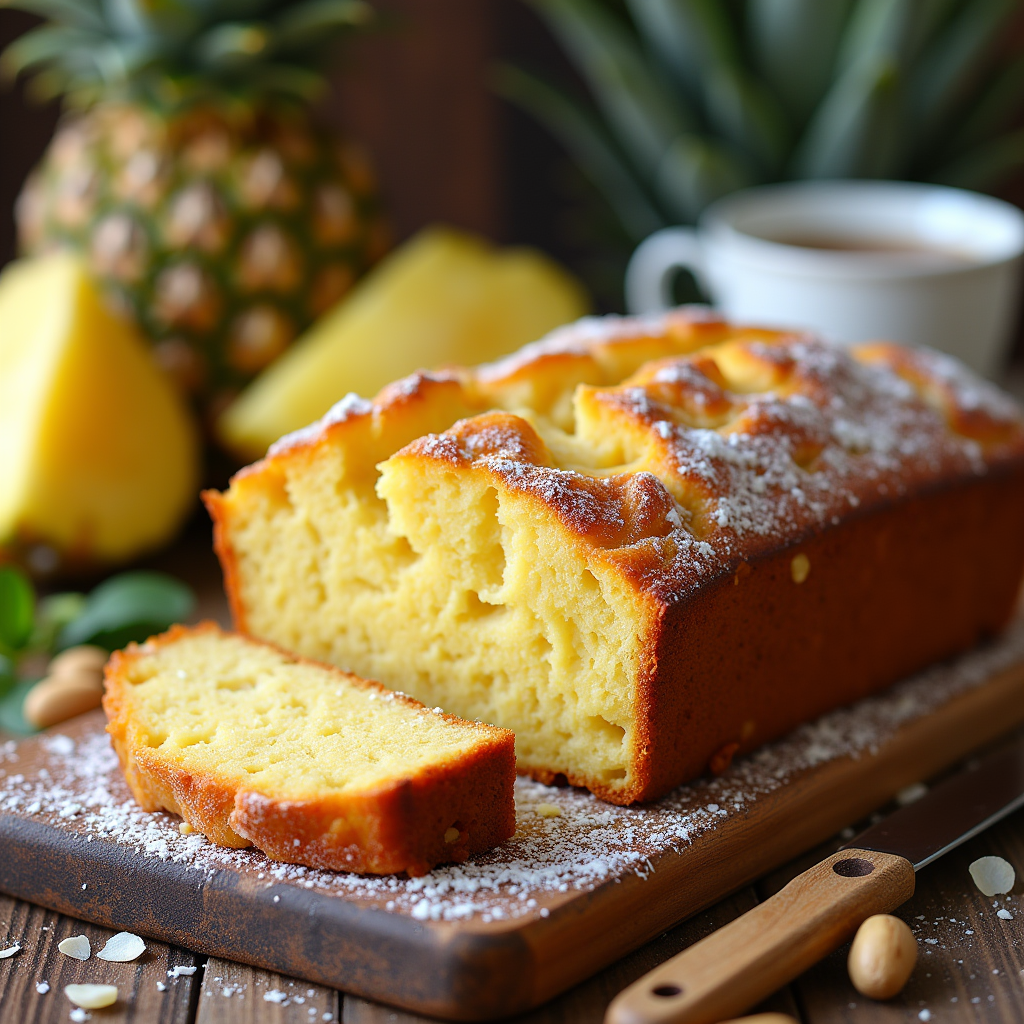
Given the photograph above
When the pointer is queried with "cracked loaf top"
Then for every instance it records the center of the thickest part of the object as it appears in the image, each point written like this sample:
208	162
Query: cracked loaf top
681	445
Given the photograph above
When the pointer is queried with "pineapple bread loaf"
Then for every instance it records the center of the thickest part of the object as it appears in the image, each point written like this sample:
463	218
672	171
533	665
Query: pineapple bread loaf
255	747
643	545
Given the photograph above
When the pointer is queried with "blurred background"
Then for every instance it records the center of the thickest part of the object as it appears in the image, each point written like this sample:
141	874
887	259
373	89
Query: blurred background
265	204
422	92
418	94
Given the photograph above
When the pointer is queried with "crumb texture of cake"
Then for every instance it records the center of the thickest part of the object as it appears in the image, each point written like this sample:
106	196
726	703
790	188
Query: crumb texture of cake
255	747
641	544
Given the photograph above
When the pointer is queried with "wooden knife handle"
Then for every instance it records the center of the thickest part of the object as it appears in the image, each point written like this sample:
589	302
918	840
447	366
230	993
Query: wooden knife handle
744	962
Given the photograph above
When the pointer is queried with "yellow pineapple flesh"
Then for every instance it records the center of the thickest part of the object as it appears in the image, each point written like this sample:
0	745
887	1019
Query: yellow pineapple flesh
443	298
98	455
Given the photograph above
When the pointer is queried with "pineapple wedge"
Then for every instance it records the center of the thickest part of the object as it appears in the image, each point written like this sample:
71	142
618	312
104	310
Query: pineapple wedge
444	297
98	456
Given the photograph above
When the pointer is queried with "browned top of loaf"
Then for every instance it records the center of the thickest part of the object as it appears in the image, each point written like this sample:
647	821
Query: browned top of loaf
705	444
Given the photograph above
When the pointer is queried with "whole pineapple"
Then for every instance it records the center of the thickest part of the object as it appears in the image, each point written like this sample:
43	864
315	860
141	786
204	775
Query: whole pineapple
691	99
189	171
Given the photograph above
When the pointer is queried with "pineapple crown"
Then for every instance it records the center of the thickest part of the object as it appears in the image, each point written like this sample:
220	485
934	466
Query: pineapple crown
174	52
691	99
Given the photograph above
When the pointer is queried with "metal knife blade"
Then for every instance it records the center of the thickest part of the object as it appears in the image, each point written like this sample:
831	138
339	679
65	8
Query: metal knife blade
952	812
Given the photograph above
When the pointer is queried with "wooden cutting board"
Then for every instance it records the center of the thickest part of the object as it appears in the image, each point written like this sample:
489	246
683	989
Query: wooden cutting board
581	884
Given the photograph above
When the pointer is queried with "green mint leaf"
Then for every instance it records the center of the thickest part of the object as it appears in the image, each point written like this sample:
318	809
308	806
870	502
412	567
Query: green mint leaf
53	614
17	608
8	674
130	606
11	717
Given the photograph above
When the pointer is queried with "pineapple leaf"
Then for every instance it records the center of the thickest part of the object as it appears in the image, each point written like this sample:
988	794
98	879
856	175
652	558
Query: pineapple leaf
708	26
769	90
120	62
638	106
876	28
76	75
128	18
111	64
929	19
852	133
83	14
747	116
289	80
856	130
702	51
794	43
687	35
307	22
586	143
696	171
232	43
176	51
51	84
998	101
946	67
987	166
42	45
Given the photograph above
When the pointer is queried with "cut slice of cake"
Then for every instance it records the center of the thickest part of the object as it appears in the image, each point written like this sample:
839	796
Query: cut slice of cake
255	747
643	545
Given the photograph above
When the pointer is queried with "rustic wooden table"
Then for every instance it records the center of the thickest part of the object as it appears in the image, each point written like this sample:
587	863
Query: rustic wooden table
970	969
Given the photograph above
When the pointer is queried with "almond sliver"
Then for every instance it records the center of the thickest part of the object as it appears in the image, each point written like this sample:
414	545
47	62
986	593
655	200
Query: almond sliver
91	997
122	947
993	875
77	946
5	953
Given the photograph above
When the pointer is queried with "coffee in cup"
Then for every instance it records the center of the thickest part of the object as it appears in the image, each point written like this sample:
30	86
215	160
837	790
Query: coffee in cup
852	261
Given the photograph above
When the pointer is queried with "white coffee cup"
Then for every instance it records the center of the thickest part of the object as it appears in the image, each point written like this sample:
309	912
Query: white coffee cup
852	261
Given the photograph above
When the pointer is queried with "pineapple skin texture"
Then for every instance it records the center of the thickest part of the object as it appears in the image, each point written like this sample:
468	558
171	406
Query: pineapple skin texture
224	232
444	298
98	454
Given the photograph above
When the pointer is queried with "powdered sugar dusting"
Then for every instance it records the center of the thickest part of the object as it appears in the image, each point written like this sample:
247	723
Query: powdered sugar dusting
551	856
800	436
354	406
350	406
970	392
783	462
579	338
756	438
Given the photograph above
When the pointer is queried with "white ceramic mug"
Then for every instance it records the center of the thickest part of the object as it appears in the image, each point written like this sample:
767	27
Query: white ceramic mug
853	261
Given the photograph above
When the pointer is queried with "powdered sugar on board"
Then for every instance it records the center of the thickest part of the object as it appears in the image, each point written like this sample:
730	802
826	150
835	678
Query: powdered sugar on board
587	842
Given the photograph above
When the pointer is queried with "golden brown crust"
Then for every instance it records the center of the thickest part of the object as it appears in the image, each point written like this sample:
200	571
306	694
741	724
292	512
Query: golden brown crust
755	654
701	459
397	826
214	502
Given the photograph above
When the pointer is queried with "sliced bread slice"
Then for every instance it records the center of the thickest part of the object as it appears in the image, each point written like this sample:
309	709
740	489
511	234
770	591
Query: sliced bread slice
312	765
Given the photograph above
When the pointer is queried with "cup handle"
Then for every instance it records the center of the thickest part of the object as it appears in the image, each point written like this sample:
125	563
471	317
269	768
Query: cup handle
649	272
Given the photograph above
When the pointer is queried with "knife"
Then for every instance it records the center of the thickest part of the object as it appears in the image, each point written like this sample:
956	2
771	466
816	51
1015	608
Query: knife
750	958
